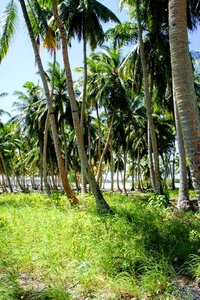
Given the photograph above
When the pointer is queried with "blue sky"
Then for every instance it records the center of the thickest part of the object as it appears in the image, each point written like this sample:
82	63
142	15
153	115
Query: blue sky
19	65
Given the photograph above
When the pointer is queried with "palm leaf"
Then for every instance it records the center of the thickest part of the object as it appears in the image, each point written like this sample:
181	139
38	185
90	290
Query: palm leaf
8	28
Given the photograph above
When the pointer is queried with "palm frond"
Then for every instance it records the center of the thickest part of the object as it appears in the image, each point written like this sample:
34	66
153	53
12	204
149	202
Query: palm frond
7	28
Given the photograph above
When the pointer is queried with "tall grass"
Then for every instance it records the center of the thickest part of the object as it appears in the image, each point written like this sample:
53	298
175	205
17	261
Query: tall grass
51	251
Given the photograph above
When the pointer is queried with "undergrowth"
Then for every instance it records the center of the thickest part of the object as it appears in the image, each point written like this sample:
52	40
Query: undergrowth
49	250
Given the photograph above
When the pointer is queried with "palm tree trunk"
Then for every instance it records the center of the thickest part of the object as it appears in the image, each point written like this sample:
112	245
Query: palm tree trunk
184	87
84	79
118	186
6	172
165	165
102	205
60	160
99	132
41	166
89	147
173	170
83	178
46	130
105	148
111	166
148	103
4	188
124	177
65	144
132	176
150	156
138	170
184	199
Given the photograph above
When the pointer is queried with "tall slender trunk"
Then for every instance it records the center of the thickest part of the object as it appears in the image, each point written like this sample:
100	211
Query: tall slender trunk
102	205
99	132
4	188
118	186
184	87
6	172
60	160
84	78
165	165
149	141
105	148
183	199
138	170
173	170
65	144
150	156
133	176
111	166
41	166
46	130
124	177
148	103
89	147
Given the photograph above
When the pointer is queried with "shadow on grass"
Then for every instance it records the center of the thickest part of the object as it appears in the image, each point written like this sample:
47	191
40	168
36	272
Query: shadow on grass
47	294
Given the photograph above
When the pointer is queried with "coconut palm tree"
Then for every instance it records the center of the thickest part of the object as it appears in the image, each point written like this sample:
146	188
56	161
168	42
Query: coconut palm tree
28	117
106	89
184	87
83	19
100	201
60	160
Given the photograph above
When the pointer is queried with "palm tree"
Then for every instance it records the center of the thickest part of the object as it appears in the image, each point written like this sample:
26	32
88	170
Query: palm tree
148	102
83	19
184	87
107	90
100	201
61	166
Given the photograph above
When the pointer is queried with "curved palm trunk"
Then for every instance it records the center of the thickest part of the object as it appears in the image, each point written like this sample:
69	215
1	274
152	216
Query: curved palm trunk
102	205
148	103
184	87
183	199
60	160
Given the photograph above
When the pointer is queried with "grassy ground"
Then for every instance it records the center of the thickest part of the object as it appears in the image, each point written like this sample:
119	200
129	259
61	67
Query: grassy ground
51	251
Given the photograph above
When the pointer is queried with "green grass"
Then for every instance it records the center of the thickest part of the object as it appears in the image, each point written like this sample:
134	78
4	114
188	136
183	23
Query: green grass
51	251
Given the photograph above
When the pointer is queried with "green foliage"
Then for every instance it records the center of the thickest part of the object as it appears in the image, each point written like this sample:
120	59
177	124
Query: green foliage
75	253
193	266
160	201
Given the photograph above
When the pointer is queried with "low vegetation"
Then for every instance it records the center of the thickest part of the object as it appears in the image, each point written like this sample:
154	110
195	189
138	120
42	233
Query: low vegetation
49	250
